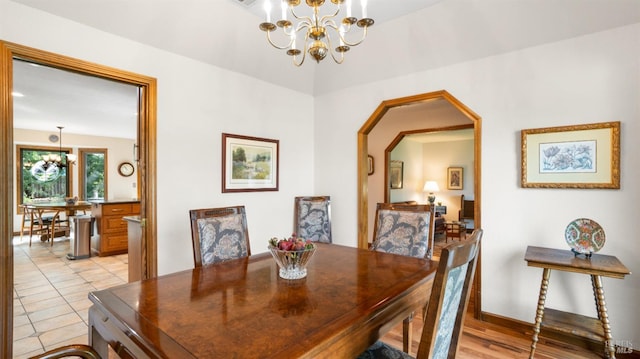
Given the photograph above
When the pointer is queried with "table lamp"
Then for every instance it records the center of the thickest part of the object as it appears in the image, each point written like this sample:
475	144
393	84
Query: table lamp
431	187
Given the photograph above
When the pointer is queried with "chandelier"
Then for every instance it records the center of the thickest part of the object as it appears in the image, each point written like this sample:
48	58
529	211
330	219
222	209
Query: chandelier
316	29
49	168
53	160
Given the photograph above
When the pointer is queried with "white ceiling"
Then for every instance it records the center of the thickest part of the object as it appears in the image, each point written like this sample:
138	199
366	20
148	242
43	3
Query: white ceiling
45	98
408	36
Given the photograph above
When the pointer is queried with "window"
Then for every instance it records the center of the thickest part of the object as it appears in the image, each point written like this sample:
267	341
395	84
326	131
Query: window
92	178
37	183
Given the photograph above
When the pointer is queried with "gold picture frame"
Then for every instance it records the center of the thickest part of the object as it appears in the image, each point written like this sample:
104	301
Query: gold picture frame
578	156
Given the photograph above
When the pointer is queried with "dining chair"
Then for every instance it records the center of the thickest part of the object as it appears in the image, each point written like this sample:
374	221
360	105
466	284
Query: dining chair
466	213
408	230
219	234
447	306
27	219
38	224
73	350
404	229
312	218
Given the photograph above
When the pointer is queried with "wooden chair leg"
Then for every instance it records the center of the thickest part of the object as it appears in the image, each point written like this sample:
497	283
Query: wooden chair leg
24	214
31	227
407	333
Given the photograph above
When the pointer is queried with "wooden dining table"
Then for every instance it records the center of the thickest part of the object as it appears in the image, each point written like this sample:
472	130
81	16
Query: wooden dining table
242	309
69	209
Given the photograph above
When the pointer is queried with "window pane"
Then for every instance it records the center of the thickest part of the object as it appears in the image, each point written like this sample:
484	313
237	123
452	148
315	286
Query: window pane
39	182
94	175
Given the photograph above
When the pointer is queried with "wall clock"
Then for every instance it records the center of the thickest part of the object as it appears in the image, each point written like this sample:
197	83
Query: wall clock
125	169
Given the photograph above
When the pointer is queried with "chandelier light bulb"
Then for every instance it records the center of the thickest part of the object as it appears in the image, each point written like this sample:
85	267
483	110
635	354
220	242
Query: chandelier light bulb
267	9
283	5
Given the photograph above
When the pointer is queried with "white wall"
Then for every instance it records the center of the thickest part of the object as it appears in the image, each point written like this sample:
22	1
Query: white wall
410	153
438	157
587	79
196	103
594	78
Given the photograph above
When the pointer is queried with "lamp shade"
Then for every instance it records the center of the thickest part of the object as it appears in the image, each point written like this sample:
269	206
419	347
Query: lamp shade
431	186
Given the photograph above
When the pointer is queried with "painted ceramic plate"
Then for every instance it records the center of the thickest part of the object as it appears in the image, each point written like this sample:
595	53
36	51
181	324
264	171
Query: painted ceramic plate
584	236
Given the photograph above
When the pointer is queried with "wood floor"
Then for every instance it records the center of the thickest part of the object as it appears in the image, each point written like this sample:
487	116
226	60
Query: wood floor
485	340
482	340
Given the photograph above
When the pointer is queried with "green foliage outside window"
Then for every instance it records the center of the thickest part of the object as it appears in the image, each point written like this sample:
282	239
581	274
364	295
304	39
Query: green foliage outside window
38	183
94	170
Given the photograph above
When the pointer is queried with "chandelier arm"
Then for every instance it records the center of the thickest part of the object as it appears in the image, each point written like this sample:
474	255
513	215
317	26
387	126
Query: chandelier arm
277	46
301	18
304	52
333	54
331	24
364	36
322	19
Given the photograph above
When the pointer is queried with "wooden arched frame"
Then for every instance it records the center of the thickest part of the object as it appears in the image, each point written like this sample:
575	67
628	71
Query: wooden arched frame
146	164
363	197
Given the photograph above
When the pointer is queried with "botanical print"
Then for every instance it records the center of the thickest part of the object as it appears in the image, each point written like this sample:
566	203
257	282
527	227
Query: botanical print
575	156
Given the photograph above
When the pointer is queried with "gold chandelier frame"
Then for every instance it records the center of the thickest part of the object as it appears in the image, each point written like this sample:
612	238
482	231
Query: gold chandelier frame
317	30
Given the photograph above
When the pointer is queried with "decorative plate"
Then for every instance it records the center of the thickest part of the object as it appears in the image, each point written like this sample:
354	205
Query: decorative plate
584	236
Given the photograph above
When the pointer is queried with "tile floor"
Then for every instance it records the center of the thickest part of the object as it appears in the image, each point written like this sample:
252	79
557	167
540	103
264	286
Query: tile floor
50	304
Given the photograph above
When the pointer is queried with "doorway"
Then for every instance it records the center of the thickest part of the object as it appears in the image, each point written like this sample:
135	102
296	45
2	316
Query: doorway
146	157
434	110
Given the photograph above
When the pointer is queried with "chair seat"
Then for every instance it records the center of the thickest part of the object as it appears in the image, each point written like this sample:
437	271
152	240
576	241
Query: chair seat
381	350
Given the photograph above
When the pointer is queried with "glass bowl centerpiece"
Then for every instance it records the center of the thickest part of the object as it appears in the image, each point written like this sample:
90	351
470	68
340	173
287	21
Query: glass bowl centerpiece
292	255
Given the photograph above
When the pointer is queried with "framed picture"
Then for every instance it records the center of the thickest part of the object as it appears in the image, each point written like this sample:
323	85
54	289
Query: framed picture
395	174
249	163
454	178
370	165
579	156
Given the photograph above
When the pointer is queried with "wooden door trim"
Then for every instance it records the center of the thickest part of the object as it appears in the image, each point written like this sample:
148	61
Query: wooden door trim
146	165
363	195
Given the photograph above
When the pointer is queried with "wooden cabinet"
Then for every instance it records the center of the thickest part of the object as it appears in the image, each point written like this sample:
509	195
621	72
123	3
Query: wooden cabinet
111	236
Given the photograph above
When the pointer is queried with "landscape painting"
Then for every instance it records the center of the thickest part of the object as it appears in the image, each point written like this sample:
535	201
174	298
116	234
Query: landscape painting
249	163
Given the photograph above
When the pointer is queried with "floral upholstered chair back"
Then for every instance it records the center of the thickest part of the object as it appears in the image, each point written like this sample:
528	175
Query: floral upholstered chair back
449	298
219	234
404	229
444	318
312	218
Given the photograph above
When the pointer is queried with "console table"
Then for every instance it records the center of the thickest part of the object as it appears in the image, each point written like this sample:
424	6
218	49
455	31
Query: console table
596	266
